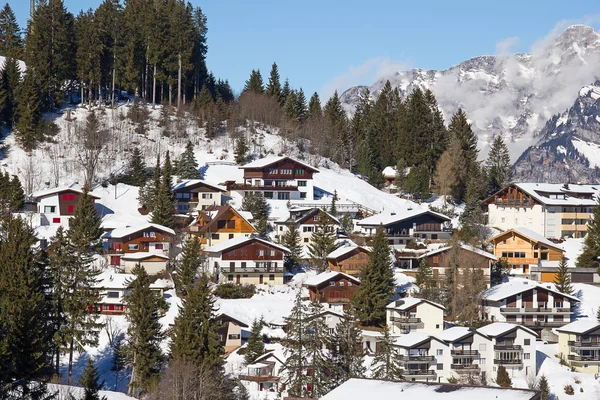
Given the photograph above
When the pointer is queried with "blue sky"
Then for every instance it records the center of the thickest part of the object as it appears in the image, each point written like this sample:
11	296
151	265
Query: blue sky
324	45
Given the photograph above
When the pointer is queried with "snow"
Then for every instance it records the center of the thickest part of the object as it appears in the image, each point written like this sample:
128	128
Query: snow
122	232
591	151
533	188
340	251
516	286
409	302
535	236
573	248
240	240
454	333
589	297
140	255
389	172
389	218
411	339
580	326
327	276
118	206
192	182
499	328
64	390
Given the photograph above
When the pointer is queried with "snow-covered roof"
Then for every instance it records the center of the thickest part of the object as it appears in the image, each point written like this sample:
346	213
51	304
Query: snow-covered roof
60	189
112	280
407	303
412	339
130	230
390	218
501	328
217	248
389	172
533	188
266	161
531	235
193	182
465	247
326	277
516	286
275	350
580	327
140	255
340	251
356	388
258	365
454	333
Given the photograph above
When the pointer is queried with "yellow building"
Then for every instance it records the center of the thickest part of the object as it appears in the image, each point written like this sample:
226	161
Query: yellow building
579	345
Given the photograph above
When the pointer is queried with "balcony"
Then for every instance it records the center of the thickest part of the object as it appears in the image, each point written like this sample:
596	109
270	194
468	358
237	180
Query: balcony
514	203
419	372
508	347
252	378
244	186
464	353
465	368
508	362
250	270
591	344
544	324
587	359
535	310
405	320
416	359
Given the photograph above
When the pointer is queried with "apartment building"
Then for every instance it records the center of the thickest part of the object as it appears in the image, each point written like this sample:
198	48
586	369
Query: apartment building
468	353
412	314
421	357
194	195
579	345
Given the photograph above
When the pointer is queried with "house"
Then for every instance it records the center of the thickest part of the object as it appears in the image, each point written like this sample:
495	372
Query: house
389	175
363	388
247	260
153	241
404	227
551	210
332	287
349	259
267	373
411	314
419	354
470	257
331	318
112	289
579	345
231	331
468	353
524	250
194	195
57	206
537	306
305	220
219	224
513	346
153	263
277	178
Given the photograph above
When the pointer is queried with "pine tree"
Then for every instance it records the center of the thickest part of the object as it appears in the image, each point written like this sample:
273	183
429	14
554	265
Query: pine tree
290	108
301	107
314	107
544	388
256	204
426	282
333	208
297	358
460	130
417	181
285	91
319	381
16	198
376	283
136	169
291	240
255	347
262	227
187	167
11	44
500	270
322	241
503	379
10	85
346	350
144	333
591	245
195	337
90	382
562	279
190	265
167	172
118	360
386	363
148	192
274	86
498	165
84	227
241	150
163	209
28	116
255	83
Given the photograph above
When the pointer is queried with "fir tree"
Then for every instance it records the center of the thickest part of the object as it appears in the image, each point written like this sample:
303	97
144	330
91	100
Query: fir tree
301	107
591	245
460	130
190	265
84	227
544	388
262	227
163	209
503	379
136	169
241	150
274	85
187	167
255	347
285	91
333	208
290	108
297	358
562	280
346	350
118	360
28	116
256	204
11	44
291	240
15	198
319	382
499	168
255	83
90	382
167	172
500	270
322	241
376	283
417	181
386	363
314	107
10	85
426	282
149	191
144	332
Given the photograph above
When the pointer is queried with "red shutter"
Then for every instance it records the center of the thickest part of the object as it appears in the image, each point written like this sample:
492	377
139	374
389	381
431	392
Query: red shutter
70	209
158	246
56	220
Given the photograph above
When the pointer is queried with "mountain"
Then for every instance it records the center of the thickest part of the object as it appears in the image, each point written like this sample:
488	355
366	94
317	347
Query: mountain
509	95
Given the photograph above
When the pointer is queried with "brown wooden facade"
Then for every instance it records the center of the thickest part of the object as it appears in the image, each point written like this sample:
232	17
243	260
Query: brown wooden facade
340	289
286	168
255	251
441	261
225	225
139	241
350	263
511	196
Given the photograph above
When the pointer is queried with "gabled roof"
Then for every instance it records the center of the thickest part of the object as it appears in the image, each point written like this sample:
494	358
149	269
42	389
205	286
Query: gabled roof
60	189
516	286
521	231
407	303
456	333
240	241
194	182
502	328
214	213
341	251
309	212
413	339
278	354
142	255
326	277
228	317
389	172
269	160
580	327
534	190
387	219
130	230
464	247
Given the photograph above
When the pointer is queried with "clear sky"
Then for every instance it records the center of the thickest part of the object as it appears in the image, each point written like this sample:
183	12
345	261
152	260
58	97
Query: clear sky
322	45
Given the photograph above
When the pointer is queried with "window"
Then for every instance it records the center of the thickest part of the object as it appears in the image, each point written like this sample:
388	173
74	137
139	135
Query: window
342	283
233	336
49	209
440	367
437	326
301	183
305	240
272	171
526	356
231	235
230	278
302	195
56	220
243	264
158	246
331	283
271	277
349	283
261	253
439	352
231	224
133	246
68	197
299	171
272	253
71	209
215	236
268	195
232	265
183	208
207	195
283	196
221	224
482	347
112	295
503	220
482	361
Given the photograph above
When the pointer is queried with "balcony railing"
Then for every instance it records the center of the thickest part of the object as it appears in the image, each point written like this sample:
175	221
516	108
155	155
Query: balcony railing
591	344
416	358
511	347
420	372
464	353
250	270
465	367
508	362
547	324
514	203
577	357
253	378
535	310
243	186
405	320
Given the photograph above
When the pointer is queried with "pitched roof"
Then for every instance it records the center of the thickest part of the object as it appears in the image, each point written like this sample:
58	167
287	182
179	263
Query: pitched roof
326	277
60	189
455	333
516	286
141	255
532	190
309	211
229	317
409	302
341	251
387	219
531	235
241	240
389	172
465	247
269	160
412	339
130	230
580	327
194	182
501	328
213	214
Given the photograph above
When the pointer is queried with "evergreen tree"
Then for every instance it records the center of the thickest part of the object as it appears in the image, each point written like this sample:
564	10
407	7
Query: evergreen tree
376	283
562	280
346	350
118	360
28	116
167	172
241	150
445	174
11	44
136	169
417	181
285	91
503	379
190	265
295	343
386	363
337	122
426	282
195	337
301	107
84	227
187	167
255	83
90	382
255	347
591	245
274	85
262	227
16	195
319	381
291	240
544	388
10	85
148	192
499	168
256	204
460	130
314	107
144	332
290	108
333	208
500	270
322	241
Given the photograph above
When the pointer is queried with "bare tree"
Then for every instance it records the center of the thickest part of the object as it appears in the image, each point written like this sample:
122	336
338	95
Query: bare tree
90	145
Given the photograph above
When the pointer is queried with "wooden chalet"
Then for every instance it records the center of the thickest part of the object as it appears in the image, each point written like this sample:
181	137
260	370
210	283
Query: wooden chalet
221	223
349	260
146	239
332	287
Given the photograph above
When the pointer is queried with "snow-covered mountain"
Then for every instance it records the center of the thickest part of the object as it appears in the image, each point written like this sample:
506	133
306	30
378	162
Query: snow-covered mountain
509	95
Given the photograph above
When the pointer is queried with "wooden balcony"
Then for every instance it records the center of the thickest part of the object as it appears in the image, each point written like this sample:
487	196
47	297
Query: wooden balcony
246	187
419	372
465	368
405	320
514	203
544	324
587	359
251	270
522	261
416	359
252	378
535	310
508	362
576	215
507	347
587	344
464	353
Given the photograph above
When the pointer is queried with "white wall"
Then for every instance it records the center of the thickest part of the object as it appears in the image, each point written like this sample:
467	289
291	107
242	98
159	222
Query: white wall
47	218
511	217
528	368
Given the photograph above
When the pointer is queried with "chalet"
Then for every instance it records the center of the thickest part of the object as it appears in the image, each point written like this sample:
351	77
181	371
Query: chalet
247	260
219	224
419	355
349	259
195	195
277	178
551	210
148	239
526	250
389	175
305	220
232	332
512	346
57	206
332	287
537	306
408	226
468	352
331	318
267	373
411	314
112	289
579	345
153	263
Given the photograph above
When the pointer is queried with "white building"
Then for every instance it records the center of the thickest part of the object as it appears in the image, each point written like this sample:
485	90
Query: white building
267	374
57	206
468	354
112	289
422	356
412	314
551	210
194	195
579	345
306	220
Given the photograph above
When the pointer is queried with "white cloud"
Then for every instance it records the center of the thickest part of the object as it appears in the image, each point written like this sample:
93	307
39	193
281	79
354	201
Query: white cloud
560	26
507	46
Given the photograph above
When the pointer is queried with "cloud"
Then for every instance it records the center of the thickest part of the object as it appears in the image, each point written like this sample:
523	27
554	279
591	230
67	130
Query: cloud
560	26
506	47
364	74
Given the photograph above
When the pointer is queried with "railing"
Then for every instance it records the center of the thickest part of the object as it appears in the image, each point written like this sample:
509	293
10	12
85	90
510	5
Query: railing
465	367
338	300
508	362
577	357
253	378
508	347
413	372
226	269
578	343
514	203
517	310
417	358
548	324
406	320
243	186
464	353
